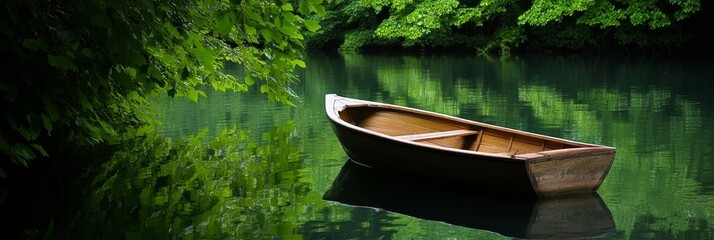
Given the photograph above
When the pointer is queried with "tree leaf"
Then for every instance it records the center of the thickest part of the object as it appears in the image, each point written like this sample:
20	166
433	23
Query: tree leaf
154	72
264	89
287	7
248	10
47	122
51	110
319	9
312	25
86	52
61	62
288	30
250	30
40	149
84	101
267	35
249	80
289	18
31	43
224	23
23	151
193	95
299	63
35	127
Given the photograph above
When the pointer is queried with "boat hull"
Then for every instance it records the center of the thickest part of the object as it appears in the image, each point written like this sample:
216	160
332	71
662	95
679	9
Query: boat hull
508	176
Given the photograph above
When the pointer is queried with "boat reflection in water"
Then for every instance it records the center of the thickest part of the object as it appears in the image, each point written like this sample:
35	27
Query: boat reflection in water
564	217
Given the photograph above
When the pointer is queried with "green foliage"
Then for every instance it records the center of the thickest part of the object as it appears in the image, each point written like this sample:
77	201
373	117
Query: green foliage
489	25
602	13
504	39
358	39
545	11
425	17
80	71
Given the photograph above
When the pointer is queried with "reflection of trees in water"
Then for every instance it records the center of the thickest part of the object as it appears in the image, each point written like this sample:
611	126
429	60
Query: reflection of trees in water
357	223
226	187
641	107
706	174
648	226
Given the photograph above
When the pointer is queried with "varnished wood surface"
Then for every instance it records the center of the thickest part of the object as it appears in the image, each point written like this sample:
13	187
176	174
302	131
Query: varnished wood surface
436	135
461	149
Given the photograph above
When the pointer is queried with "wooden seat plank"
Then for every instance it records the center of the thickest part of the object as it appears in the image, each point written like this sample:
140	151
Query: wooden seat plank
435	135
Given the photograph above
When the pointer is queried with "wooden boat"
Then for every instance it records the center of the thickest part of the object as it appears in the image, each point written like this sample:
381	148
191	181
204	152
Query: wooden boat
445	148
574	216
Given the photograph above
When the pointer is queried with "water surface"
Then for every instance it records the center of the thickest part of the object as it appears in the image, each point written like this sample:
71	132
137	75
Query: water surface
265	169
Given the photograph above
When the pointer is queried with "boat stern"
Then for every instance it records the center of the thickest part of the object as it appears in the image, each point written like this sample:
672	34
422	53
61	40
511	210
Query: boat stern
569	171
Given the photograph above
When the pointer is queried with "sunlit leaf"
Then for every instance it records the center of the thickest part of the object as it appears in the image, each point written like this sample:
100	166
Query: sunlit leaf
193	95
287	7
312	25
299	63
250	30
319	9
249	80
144	130
289	30
289	18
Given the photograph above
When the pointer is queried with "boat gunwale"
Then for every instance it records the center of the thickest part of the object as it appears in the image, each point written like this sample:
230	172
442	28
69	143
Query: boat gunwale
333	109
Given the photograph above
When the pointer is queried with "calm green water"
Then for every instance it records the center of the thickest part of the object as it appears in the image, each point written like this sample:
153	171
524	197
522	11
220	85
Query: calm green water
235	166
